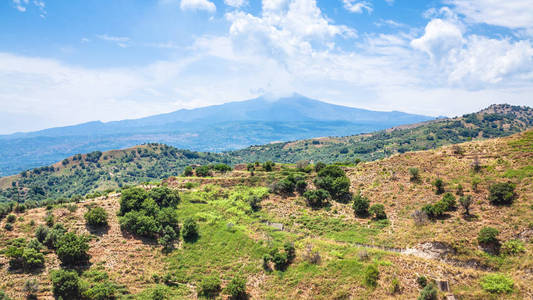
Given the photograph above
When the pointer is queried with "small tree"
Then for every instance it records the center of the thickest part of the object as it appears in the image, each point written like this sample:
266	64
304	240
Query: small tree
378	211
465	202
371	275
209	287
429	292
255	202
72	249
316	198
187	172
360	205
502	193
459	191
439	186
190	230
488	236
96	216
66	284
236	288
301	186
415	175
268	166
203	171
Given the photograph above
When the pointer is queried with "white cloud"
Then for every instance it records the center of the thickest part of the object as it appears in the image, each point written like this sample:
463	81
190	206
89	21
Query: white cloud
357	6
21	5
507	13
198	5
236	3
120	41
440	37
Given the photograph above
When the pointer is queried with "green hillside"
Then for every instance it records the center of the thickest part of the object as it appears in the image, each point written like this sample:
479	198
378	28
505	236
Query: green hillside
96	171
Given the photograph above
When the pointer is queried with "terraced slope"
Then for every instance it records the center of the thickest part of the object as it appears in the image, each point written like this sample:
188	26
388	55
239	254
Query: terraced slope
334	248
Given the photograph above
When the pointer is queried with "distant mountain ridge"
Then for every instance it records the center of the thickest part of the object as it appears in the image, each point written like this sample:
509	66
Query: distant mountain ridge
216	128
81	174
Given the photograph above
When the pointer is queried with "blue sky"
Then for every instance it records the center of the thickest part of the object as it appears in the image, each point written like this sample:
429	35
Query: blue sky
67	62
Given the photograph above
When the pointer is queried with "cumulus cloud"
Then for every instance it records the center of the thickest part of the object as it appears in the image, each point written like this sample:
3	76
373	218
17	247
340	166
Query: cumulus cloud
198	5
357	6
440	37
509	13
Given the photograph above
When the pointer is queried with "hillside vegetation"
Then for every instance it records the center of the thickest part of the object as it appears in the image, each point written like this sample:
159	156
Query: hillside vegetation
393	228
97	171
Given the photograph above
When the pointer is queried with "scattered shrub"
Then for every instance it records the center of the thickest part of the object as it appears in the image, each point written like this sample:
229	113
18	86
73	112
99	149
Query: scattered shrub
415	175
497	283
488	236
31	287
187	172
236	288
395	286
316	198
301	186
502	193
190	230
513	247
378	211
11	218
439	186
429	292
371	275
422	281
255	202
268	166
8	226
420	217
209	287
360	205
96	216
203	171
72	249
459	191
319	166
449	200
465	202
283	187
66	284
334	180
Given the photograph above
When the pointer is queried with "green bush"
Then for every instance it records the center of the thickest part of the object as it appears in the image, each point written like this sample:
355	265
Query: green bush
429	292
422	281
449	200
513	247
22	256
465	202
66	284
255	202
283	187
236	288
8	226
96	216
267	166
497	283
371	275
319	166
222	168
32	259
165	197
439	186
301	186
209	287
53	236
502	193
72	249
334	180
316	198
190	230
360	205
378	211
187	172
415	175
132	199
488	236
137	222
3	296
11	218
203	171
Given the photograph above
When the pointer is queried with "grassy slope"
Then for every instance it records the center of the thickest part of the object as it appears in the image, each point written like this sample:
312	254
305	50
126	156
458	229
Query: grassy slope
233	239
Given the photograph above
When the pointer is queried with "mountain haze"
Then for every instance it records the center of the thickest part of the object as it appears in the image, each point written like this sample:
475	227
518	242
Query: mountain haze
229	126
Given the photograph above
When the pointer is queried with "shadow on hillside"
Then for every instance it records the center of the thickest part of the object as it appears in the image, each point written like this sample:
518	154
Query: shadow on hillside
97	230
144	240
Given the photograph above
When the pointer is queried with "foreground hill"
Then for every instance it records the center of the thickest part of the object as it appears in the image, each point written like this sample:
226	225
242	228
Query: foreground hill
223	127
81	174
255	233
